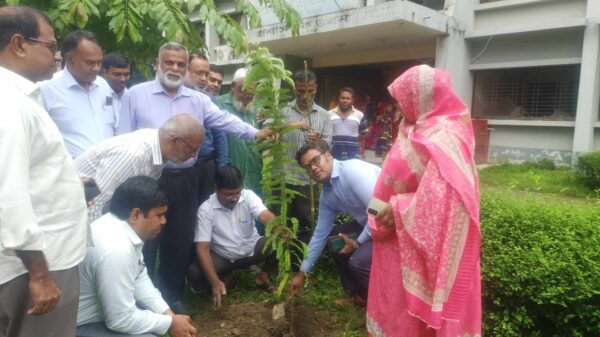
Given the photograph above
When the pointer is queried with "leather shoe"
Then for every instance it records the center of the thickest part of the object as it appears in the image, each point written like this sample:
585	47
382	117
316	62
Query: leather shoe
182	308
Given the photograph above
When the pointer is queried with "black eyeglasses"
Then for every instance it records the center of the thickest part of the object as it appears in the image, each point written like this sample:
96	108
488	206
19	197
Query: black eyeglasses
52	46
315	161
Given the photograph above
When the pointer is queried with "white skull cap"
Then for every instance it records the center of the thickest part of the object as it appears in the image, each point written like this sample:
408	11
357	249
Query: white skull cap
239	75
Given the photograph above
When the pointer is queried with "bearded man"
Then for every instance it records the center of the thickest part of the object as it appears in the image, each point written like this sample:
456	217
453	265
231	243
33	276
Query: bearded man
149	105
241	152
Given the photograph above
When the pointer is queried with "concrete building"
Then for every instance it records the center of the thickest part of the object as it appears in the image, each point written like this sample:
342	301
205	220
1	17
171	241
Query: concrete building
528	69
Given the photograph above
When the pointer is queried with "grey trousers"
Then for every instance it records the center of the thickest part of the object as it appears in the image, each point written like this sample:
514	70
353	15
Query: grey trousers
99	329
15	301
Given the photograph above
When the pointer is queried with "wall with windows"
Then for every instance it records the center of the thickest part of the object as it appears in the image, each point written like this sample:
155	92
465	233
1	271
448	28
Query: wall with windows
530	93
532	64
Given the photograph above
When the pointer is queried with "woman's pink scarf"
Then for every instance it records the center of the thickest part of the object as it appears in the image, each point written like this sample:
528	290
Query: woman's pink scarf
430	180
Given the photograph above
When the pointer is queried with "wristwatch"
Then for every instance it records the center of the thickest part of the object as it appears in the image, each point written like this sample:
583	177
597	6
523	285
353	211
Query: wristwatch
355	244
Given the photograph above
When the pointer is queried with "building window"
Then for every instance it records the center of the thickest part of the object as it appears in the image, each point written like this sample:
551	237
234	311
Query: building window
548	93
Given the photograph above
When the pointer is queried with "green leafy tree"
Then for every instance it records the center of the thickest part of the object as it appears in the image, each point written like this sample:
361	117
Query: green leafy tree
264	79
137	27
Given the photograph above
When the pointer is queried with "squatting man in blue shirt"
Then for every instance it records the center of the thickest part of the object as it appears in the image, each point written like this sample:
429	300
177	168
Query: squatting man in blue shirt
117	297
347	189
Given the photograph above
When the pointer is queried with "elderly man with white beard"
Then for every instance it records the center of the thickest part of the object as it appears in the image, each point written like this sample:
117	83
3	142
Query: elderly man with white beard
149	105
241	152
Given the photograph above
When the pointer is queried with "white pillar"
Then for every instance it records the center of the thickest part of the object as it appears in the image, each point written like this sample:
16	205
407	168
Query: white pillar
452	51
589	83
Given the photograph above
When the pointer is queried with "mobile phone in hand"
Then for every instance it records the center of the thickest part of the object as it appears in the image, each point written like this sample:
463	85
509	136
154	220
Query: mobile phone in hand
375	206
336	243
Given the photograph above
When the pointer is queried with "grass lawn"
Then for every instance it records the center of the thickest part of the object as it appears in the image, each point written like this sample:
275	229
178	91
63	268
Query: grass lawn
531	177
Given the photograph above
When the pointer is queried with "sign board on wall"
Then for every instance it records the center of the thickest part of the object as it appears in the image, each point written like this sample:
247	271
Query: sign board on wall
308	8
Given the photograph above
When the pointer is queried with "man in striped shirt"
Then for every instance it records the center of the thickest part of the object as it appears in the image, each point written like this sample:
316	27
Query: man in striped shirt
143	152
315	125
348	124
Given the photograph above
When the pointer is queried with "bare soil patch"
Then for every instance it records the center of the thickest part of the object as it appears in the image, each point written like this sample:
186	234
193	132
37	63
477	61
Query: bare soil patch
254	320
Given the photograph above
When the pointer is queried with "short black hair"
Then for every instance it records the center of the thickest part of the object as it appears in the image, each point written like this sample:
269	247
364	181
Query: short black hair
216	69
20	20
299	76
348	90
319	145
73	39
137	192
114	60
228	177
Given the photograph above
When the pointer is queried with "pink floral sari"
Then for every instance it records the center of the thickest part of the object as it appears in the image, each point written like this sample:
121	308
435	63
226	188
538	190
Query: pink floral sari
425	278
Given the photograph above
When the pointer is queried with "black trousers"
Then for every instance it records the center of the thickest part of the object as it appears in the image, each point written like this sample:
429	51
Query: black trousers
354	269
174	244
223	266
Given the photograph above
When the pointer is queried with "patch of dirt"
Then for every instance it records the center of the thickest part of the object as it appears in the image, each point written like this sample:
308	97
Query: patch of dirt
254	320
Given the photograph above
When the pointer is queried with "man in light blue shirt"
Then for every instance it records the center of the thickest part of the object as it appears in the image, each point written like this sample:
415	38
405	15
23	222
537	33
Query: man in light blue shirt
116	295
78	101
347	189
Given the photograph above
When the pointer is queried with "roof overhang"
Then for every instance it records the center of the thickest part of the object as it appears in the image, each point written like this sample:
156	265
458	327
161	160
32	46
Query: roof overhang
371	29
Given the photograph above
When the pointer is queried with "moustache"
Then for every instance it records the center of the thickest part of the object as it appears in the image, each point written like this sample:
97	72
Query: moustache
172	73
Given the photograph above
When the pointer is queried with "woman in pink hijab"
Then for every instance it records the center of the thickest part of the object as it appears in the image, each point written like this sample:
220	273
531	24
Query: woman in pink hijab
425	278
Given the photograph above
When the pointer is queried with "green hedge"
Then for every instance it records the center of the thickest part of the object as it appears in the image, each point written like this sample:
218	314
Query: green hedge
587	170
540	266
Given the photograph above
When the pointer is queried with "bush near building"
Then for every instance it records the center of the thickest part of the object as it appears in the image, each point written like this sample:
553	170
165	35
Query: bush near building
587	170
540	269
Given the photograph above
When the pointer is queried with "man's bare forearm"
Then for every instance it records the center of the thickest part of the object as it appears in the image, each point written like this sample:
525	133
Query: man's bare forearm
35	262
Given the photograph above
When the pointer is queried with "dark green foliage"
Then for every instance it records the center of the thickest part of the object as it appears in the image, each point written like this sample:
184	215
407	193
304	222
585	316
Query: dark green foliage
587	170
544	164
137	28
540	269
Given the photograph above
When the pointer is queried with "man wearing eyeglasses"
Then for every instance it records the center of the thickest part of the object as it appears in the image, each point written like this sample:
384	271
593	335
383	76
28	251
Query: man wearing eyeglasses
347	189
42	209
79	101
143	152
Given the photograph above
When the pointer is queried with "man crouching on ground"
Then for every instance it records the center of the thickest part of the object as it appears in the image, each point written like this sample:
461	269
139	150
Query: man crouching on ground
117	297
226	238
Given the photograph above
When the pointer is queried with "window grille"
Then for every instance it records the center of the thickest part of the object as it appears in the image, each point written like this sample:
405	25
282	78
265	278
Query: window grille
548	93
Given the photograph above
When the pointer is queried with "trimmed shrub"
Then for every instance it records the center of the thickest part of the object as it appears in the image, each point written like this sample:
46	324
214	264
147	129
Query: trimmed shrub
540	267
543	164
587	170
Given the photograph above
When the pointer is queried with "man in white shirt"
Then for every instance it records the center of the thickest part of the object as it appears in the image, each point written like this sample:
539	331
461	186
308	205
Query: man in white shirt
79	101
143	152
117	298
42	208
226	238
116	70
